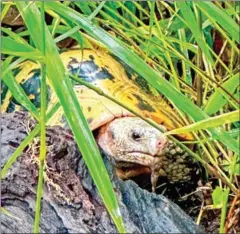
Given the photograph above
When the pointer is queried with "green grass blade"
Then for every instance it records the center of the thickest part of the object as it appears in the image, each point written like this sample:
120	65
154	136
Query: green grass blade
39	197
16	37
19	150
208	123
214	13
63	88
185	67
227	191
67	34
132	8
144	70
4	10
42	121
152	14
234	132
217	100
192	24
57	20
12	47
84	7
96	11
17	91
12	66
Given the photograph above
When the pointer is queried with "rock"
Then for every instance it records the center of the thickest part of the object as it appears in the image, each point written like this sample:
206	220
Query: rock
71	203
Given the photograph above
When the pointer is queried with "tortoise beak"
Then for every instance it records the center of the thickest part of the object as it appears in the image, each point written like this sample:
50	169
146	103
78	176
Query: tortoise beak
162	144
158	146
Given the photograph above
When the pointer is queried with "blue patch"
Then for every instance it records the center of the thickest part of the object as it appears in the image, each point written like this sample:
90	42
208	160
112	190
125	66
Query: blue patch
89	71
31	86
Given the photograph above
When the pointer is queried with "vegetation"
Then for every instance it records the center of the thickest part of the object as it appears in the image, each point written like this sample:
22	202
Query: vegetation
188	51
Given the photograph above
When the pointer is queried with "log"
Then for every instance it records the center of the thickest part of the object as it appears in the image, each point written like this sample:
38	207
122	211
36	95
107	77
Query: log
70	202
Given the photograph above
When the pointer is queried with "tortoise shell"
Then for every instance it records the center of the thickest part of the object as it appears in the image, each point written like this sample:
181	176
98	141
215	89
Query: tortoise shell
113	77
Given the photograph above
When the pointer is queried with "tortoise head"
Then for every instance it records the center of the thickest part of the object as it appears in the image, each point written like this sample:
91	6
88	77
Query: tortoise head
132	140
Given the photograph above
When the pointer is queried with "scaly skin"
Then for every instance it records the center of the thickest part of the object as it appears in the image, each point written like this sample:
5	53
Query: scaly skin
130	140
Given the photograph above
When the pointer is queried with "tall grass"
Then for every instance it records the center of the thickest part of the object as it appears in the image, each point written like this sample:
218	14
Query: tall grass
42	121
195	45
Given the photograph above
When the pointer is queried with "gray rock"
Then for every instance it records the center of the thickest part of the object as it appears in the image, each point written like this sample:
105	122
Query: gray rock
71	203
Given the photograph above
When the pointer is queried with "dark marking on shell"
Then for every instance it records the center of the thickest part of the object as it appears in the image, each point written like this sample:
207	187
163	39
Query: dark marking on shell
12	106
91	57
37	70
31	86
90	120
143	105
129	97
89	109
73	60
143	84
139	80
89	71
16	71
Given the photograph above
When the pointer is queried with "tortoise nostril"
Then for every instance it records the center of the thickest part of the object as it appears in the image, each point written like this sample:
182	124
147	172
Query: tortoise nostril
162	143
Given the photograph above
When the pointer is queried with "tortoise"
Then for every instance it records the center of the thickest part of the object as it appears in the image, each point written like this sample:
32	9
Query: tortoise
129	141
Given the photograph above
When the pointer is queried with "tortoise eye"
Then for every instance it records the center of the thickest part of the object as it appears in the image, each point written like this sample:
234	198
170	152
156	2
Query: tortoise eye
136	136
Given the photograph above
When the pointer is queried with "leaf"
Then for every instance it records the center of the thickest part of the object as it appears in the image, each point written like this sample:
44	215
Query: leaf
84	6
96	11
61	83
216	14
218	196
191	22
16	37
208	123
17	91
138	65
237	169
234	132
227	166
218	99
12	47
4	10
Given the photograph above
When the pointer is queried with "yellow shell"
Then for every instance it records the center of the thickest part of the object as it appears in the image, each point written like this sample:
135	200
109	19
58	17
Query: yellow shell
101	69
